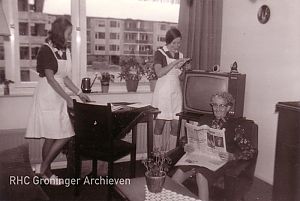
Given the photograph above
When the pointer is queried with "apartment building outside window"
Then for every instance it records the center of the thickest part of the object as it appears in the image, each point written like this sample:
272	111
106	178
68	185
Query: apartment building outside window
34	52
114	24
38	29
114	36
100	47
114	47
22	5
161	38
23	28
163	27
2	70
100	35
101	24
24	53
2	52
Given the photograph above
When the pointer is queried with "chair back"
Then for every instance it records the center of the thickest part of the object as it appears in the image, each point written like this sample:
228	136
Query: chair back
92	124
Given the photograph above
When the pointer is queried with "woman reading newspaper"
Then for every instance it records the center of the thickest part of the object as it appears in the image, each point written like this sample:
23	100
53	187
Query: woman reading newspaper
238	147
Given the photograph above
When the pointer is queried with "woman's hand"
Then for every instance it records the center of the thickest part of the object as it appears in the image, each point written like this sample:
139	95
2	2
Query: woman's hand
84	98
181	62
188	148
225	156
70	103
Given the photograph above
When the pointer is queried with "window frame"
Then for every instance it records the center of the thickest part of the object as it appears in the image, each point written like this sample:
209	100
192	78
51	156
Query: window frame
12	60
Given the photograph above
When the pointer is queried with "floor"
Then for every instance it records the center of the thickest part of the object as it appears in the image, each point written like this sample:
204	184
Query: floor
259	191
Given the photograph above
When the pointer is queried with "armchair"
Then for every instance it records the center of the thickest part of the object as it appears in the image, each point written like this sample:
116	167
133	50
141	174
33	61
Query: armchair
236	177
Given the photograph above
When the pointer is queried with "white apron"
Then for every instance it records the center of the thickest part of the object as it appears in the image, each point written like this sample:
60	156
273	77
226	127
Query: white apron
49	117
167	95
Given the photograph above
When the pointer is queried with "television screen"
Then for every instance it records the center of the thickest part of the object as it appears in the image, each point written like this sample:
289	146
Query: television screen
199	88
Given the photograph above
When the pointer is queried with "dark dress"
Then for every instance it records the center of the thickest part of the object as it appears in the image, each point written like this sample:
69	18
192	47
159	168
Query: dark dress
237	144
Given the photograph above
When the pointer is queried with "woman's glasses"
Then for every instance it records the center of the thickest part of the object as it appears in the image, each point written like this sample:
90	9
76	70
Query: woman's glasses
220	107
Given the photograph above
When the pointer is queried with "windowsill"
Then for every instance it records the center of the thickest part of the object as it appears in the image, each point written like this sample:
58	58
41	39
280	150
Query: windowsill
115	89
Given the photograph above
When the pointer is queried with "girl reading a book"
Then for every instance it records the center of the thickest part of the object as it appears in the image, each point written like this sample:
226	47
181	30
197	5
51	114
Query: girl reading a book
238	146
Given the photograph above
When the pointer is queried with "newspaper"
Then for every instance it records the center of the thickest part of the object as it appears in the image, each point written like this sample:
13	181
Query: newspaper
207	143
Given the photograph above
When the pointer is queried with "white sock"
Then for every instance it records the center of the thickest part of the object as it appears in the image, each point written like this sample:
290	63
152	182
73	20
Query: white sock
172	142
157	142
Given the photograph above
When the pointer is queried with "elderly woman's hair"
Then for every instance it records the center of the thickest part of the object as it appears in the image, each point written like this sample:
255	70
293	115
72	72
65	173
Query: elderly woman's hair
226	96
57	33
172	34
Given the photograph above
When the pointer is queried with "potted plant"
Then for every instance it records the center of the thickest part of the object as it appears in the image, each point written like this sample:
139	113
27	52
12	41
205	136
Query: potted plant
6	83
105	79
131	71
157	166
151	75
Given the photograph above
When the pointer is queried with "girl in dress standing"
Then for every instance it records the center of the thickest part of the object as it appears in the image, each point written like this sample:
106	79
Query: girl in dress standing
167	95
49	118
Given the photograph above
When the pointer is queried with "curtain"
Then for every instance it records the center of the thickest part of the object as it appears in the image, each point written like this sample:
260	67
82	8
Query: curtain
200	23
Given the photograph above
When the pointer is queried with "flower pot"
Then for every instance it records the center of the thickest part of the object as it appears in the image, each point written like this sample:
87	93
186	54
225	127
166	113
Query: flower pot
155	183
104	87
132	85
152	85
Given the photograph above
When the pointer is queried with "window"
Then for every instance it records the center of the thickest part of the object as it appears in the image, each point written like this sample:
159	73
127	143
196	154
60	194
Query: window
88	36
100	35
163	27
38	30
114	36
34	52
114	47
25	75
130	36
22	5
24	53
114	24
101	24
161	39
100	47
2	67
23	28
1	52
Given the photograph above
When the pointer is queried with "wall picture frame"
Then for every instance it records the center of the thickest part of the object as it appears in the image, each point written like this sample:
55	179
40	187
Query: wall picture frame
263	14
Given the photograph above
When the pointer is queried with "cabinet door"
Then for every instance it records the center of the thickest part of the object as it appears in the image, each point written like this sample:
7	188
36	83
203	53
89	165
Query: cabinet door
287	173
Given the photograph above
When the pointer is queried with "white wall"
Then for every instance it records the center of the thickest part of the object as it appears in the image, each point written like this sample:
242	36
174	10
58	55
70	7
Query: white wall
270	56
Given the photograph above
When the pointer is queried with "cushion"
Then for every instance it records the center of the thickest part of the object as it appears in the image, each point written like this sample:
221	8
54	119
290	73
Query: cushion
16	176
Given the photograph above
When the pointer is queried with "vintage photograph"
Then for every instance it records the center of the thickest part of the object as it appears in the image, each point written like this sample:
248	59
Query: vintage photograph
149	100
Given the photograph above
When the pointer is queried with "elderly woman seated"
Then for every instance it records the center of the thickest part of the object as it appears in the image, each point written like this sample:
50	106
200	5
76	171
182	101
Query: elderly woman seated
238	147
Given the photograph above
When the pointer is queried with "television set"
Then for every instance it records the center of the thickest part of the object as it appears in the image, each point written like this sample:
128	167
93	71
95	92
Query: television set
199	86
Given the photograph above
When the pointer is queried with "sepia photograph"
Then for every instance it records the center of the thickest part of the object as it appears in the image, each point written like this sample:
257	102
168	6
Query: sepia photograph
97	97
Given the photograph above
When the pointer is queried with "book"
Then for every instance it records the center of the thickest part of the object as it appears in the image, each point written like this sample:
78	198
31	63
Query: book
207	143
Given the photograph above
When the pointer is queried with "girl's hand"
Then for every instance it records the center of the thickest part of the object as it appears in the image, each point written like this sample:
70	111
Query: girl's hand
84	98
177	63
70	103
181	62
188	148
225	156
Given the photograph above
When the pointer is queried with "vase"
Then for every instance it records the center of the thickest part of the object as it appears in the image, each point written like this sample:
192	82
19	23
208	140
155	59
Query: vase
152	85
104	87
132	85
155	183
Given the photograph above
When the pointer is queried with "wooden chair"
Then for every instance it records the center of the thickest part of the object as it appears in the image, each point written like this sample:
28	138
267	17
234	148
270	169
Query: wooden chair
95	139
236	177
